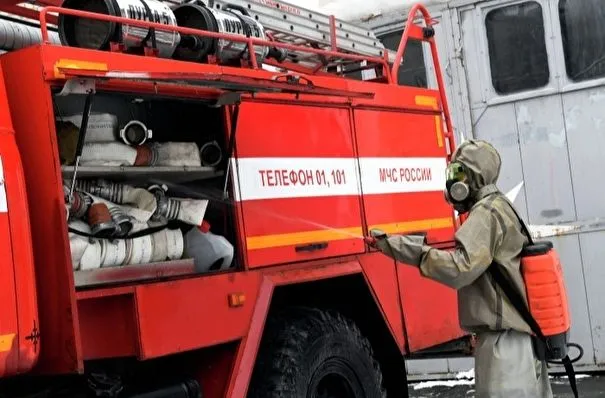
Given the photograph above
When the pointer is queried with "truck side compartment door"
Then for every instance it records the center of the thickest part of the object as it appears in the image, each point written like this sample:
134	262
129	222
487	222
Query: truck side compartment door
402	158
19	333
298	187
9	352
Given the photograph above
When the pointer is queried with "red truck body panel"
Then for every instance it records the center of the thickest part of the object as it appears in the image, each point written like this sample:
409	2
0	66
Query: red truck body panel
19	325
60	349
402	155
312	175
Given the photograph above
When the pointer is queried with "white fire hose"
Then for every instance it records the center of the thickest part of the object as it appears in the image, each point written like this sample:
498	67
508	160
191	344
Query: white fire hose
90	254
108	154
102	127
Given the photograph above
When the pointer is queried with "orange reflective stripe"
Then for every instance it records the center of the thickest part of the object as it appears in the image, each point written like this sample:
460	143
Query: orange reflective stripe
6	342
415	226
438	127
297	238
431	102
77	64
425	100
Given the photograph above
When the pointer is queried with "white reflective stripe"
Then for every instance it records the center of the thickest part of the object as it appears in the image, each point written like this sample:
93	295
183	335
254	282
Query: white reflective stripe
402	175
3	202
277	178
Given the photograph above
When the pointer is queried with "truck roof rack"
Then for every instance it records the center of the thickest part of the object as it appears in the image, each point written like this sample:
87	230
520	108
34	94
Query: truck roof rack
285	23
316	43
292	24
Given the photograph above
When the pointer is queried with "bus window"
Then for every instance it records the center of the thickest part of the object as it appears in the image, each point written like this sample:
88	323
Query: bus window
412	71
517	48
583	35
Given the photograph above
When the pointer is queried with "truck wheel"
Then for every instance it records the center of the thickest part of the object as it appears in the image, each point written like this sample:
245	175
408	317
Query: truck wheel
311	353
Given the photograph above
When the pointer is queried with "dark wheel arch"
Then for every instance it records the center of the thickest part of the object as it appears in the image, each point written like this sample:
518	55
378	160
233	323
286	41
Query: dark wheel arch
315	353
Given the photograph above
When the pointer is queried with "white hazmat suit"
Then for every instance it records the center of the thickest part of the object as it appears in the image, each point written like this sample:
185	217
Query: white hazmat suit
505	362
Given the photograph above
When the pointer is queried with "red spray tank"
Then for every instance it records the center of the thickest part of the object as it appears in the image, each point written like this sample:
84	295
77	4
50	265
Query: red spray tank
546	295
547	308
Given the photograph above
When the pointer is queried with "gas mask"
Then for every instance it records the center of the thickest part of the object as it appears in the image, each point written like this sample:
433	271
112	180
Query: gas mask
457	190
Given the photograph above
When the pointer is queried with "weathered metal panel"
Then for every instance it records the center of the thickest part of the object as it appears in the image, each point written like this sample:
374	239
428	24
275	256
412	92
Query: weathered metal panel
441	32
457	365
544	159
497	125
442	40
568	248
593	252
457	68
439	368
471	53
585	124
457	99
426	366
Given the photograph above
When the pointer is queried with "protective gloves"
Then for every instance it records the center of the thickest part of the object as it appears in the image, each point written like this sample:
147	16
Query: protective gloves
407	249
375	235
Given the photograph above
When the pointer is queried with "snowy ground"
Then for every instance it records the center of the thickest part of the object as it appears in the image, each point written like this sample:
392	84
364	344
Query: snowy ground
463	387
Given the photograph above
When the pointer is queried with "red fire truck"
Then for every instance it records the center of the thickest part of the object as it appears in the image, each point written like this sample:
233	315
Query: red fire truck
250	275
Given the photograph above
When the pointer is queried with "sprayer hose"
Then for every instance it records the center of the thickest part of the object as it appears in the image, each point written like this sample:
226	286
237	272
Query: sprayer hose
574	360
138	234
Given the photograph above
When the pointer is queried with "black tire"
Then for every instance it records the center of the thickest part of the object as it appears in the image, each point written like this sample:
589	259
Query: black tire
311	353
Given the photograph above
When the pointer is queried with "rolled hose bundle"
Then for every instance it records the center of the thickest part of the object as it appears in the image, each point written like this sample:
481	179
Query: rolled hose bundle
108	154
122	194
189	211
149	204
176	154
90	254
168	154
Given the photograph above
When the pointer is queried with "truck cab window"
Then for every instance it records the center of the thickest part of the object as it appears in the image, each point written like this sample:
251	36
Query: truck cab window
412	71
583	38
517	48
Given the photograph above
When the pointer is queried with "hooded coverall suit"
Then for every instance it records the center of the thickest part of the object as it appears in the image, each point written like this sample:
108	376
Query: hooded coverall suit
505	362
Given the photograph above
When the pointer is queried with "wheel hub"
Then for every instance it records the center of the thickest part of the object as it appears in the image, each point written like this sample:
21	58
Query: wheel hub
334	379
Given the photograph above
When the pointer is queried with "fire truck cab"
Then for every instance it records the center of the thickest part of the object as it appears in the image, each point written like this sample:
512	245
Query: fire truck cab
176	224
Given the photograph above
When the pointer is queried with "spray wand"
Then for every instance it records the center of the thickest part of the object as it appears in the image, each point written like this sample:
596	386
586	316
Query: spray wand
222	198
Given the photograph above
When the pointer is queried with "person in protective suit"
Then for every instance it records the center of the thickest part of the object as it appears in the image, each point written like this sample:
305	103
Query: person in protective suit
506	365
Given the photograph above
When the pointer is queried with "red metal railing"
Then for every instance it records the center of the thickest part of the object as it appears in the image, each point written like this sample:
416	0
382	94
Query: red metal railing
416	32
250	41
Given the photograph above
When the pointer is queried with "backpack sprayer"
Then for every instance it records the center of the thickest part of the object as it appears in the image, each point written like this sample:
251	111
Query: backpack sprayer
548	312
